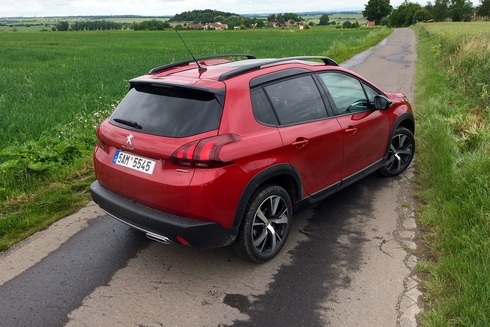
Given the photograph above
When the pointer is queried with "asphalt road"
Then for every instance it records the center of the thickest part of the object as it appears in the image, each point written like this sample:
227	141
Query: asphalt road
345	263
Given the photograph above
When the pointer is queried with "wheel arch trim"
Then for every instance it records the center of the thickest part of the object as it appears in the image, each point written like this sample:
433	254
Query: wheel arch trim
260	179
400	121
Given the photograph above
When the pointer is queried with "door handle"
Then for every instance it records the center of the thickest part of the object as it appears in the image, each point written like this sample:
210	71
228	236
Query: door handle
350	130
300	142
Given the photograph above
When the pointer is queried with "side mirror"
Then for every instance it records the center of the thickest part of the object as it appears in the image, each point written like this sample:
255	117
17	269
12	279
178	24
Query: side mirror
381	102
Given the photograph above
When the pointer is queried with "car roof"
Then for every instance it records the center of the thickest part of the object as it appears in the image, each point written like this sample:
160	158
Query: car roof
210	72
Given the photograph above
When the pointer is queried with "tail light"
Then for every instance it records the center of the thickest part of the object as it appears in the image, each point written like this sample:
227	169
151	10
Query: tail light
98	132
203	153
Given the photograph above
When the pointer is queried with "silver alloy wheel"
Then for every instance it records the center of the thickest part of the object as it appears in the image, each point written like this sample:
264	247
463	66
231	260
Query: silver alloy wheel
270	224
400	153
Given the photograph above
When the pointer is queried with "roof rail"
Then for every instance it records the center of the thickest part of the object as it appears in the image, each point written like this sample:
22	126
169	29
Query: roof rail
257	65
188	61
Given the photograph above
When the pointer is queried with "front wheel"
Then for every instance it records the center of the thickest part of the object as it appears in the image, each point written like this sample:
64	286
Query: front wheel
265	225
400	153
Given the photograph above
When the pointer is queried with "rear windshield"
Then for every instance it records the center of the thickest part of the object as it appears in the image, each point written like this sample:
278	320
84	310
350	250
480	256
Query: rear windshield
167	111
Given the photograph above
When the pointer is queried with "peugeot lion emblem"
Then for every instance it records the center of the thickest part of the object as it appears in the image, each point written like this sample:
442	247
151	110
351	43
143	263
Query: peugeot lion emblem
129	139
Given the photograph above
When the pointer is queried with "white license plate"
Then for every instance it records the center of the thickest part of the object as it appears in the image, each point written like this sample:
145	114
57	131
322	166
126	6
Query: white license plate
134	162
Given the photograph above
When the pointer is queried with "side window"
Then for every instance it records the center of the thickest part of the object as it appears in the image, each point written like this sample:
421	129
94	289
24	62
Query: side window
262	108
347	92
296	100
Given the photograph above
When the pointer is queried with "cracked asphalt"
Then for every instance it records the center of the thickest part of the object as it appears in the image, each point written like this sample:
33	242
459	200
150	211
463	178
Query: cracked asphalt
349	260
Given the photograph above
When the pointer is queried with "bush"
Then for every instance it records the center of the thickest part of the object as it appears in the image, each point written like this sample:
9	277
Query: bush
62	26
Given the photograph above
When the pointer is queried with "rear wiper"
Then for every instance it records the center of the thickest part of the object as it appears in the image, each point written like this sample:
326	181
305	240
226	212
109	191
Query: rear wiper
128	123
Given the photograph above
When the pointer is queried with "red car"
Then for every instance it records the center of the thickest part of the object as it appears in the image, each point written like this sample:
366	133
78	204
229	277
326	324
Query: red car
220	150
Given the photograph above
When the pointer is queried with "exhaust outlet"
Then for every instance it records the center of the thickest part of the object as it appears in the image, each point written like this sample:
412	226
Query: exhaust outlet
158	238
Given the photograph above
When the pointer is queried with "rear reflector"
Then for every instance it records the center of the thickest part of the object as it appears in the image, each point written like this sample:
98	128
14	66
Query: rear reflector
182	241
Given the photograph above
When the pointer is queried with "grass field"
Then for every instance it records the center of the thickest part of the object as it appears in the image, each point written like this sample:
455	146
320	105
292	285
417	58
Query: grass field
57	86
453	164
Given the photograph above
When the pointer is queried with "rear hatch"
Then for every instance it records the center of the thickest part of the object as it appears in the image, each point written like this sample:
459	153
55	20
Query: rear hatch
133	157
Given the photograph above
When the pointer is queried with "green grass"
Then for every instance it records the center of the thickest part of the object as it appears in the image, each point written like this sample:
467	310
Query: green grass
25	213
57	86
453	164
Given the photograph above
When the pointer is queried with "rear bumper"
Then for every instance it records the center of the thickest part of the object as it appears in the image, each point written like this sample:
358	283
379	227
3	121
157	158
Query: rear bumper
199	234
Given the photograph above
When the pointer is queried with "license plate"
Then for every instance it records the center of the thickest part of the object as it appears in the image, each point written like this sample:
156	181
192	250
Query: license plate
129	160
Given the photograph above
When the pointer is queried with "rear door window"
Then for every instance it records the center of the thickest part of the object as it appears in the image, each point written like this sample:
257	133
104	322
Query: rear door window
166	111
288	102
296	100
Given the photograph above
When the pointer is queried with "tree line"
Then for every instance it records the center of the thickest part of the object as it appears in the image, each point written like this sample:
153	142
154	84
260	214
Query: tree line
285	17
202	16
103	25
409	13
212	16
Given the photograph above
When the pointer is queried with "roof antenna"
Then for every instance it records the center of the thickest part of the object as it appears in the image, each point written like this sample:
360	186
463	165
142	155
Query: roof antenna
201	69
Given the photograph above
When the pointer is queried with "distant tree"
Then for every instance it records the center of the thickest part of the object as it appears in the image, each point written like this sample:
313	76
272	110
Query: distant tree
376	10
404	15
461	10
324	19
346	24
349	24
151	25
292	17
200	16
253	23
440	10
429	7
62	26
207	18
260	23
91	25
278	18
234	20
484	9
423	15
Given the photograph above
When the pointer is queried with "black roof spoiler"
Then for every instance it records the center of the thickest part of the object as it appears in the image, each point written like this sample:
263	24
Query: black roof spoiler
188	61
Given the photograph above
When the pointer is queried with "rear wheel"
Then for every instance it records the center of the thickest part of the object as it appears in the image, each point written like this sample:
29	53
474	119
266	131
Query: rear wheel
265	225
400	153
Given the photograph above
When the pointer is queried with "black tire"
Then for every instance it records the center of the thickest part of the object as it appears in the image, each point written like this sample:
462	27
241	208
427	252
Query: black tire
400	153
265	224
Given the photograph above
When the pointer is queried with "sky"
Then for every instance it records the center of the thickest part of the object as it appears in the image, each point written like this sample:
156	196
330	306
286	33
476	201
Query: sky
43	8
